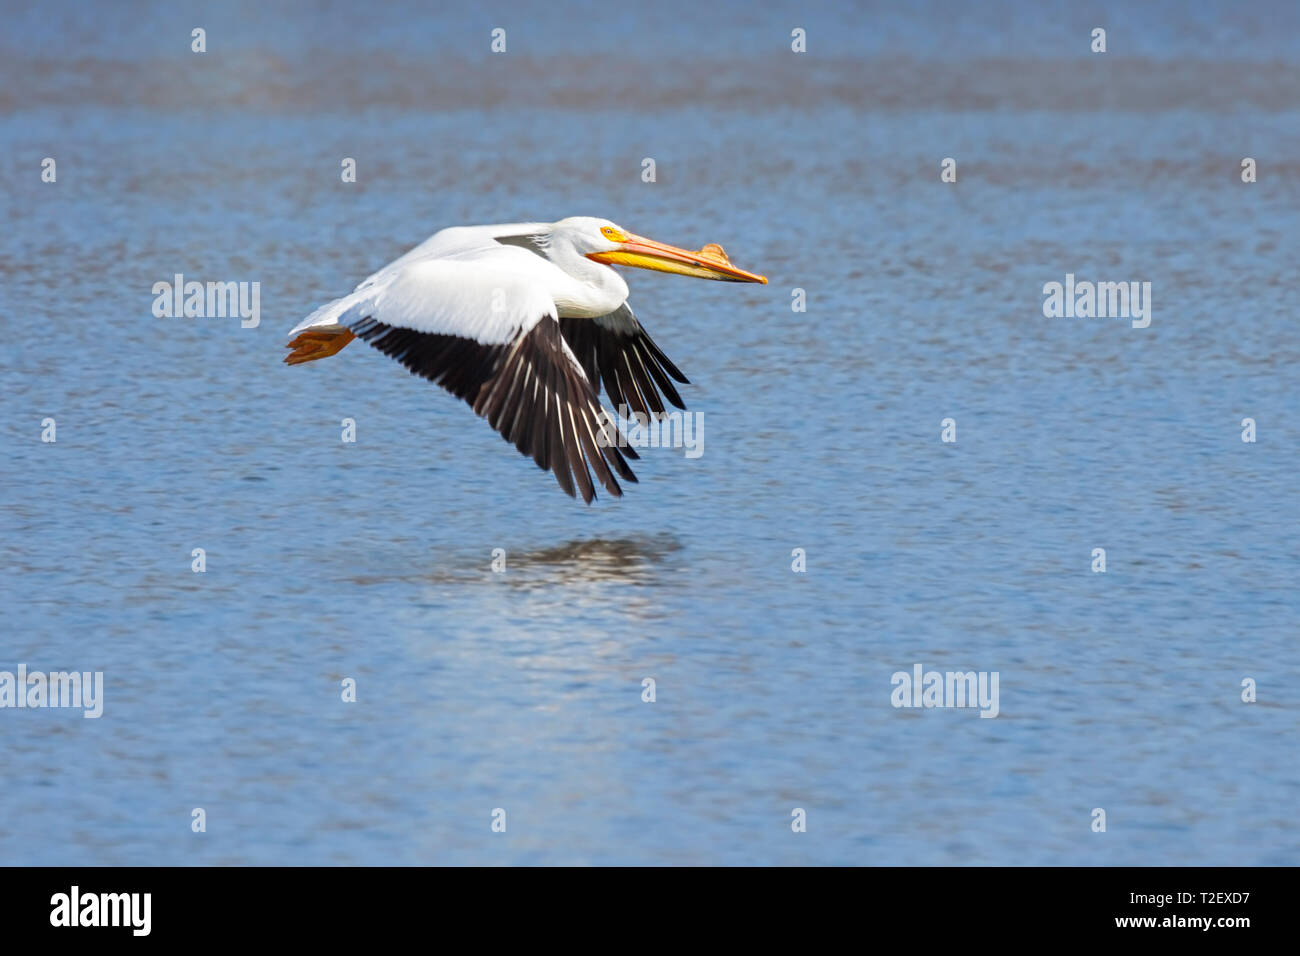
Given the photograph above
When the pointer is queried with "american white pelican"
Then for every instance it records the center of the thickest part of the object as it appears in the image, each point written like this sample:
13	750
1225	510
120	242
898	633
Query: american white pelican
522	321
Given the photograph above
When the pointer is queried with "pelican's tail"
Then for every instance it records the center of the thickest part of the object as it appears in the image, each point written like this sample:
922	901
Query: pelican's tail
318	343
326	330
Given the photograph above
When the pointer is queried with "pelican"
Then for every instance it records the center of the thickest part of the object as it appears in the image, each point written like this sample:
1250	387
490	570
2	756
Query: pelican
523	321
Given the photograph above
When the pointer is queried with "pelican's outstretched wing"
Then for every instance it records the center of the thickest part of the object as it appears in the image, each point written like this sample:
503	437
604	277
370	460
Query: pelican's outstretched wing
484	329
616	348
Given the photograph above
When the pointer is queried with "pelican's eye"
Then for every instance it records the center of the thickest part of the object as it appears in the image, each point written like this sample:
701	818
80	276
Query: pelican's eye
612	234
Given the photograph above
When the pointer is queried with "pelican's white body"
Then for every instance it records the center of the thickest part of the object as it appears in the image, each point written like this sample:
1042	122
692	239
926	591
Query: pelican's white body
462	281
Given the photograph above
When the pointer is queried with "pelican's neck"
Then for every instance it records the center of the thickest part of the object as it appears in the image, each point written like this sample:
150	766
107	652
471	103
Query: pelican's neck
596	289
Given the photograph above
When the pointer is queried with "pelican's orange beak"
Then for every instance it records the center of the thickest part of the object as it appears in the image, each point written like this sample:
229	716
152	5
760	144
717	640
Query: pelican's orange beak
708	263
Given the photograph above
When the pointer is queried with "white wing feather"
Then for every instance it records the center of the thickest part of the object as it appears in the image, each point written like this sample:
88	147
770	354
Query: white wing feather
460	281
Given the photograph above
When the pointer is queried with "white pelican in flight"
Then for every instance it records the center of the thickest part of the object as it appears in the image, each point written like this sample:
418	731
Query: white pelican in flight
523	321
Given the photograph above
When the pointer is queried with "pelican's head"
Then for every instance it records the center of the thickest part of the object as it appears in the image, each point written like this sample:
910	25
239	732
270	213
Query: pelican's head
604	241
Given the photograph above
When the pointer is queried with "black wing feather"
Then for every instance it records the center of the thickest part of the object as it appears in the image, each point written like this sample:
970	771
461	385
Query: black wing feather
529	390
616	348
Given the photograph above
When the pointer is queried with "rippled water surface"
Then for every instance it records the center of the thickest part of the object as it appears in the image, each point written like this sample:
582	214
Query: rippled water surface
523	690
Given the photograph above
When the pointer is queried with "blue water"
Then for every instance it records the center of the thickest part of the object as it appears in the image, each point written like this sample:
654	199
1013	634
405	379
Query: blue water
522	690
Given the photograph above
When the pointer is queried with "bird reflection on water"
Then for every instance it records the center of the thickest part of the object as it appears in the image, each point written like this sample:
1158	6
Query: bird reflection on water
629	561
